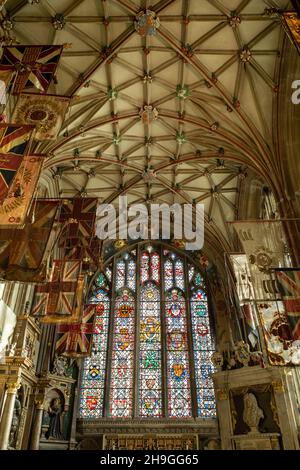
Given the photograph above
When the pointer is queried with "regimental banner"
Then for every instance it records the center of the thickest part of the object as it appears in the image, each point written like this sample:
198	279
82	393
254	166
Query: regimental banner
264	245
281	349
46	112
9	165
246	296
24	252
289	285
292	25
15	207
75	340
88	251
14	139
4	82
60	300
31	66
250	324
80	214
242	277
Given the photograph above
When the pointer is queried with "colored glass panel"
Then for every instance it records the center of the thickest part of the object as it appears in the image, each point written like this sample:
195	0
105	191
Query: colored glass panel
120	274
179	274
145	265
94	367
150	385
178	375
131	274
121	383
155	267
169	275
203	346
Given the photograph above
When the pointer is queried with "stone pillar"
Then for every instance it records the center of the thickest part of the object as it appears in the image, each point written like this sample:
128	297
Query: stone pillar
224	417
287	426
8	411
37	425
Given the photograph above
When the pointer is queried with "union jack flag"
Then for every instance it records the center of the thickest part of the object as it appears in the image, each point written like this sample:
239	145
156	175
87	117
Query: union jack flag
58	301
14	139
80	213
75	340
32	66
289	286
87	250
24	251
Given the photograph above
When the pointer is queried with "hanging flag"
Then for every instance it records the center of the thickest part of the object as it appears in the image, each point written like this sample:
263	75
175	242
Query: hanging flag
280	348
15	207
4	82
31	66
13	146
45	112
242	276
24	252
75	340
264	245
86	250
289	285
250	323
80	215
60	300
14	139
9	165
291	22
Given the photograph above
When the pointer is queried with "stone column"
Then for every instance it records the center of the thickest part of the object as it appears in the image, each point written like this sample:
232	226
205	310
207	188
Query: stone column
37	425
287	426
8	411
224	417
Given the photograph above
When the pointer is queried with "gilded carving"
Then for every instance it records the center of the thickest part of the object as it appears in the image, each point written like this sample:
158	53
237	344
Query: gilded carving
274	411
222	394
151	442
39	403
278	386
13	387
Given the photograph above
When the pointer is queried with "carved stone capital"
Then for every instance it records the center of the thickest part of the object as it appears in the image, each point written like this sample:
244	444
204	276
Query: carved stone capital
222	394
39	403
278	386
13	387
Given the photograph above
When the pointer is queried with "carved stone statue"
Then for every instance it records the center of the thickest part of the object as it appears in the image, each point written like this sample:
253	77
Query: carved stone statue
212	444
252	413
54	412
60	365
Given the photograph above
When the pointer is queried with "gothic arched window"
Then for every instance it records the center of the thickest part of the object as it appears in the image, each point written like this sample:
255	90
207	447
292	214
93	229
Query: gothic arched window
152	346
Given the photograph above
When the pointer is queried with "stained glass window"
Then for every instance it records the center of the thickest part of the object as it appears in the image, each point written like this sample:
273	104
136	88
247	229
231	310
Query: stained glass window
150	384
153	329
94	368
122	363
178	377
203	346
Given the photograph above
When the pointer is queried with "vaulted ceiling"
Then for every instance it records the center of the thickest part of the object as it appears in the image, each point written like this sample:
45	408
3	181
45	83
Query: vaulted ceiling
176	116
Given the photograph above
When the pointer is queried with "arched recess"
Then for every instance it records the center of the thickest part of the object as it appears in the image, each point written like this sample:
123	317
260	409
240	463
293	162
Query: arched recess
154	338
